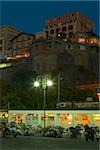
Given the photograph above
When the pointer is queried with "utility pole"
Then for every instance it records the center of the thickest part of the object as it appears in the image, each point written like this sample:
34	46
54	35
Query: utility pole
8	105
58	88
59	78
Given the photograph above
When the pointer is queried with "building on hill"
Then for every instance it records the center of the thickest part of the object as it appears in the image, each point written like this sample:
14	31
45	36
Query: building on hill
22	43
87	37
68	24
6	34
40	35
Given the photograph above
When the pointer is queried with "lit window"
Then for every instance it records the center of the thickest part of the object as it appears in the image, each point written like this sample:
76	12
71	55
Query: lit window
81	40
92	41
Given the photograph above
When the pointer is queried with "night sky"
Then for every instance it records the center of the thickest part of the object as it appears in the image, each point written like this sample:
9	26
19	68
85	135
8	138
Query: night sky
29	16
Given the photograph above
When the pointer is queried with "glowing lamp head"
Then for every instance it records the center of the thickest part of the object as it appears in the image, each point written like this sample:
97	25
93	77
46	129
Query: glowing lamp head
49	83
58	35
36	84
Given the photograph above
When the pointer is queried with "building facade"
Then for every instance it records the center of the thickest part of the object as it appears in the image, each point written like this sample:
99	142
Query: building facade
68	24
87	37
6	35
22	43
64	118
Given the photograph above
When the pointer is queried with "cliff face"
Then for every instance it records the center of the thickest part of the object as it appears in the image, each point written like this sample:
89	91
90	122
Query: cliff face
74	61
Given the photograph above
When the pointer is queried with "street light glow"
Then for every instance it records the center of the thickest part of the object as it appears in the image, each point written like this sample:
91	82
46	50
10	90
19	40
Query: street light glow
36	84
44	82
49	83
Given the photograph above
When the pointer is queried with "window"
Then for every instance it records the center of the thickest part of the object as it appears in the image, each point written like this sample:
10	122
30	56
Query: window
96	119
0	48
57	30
1	41
61	35
50	26
81	40
63	28
70	34
52	32
68	46
64	119
82	119
49	119
47	34
70	27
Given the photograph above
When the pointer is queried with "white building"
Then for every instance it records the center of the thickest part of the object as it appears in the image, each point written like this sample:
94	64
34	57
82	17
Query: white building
64	118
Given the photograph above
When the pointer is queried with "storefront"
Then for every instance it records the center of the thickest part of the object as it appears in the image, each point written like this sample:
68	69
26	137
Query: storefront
63	118
3	116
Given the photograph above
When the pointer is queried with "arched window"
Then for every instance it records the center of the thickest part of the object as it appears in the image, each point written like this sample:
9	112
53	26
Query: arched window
57	30
52	32
70	27
63	28
70	34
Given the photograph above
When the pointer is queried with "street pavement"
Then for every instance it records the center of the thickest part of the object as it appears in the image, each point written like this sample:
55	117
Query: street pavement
46	143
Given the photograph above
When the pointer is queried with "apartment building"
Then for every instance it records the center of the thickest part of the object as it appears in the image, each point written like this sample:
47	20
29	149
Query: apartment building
6	34
68	24
22	43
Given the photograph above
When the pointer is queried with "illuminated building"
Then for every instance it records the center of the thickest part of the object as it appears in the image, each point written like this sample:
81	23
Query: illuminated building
87	38
64	118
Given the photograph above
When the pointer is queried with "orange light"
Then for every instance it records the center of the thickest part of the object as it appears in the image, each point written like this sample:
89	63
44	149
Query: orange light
81	40
92	41
19	56
11	58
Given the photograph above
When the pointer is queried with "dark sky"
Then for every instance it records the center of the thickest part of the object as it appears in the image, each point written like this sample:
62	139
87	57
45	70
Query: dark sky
30	16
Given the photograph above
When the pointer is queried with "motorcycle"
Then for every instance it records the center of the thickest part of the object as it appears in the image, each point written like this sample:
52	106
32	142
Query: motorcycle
53	133
9	131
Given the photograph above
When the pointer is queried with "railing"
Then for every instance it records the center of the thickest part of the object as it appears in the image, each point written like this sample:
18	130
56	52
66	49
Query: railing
78	105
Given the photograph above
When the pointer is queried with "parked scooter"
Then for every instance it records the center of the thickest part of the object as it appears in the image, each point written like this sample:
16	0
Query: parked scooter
53	133
8	130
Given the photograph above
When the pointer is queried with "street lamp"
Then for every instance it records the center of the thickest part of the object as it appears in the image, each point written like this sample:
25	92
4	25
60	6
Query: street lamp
43	81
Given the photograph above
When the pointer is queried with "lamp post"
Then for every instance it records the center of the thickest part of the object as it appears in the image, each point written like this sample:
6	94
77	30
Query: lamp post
43	81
